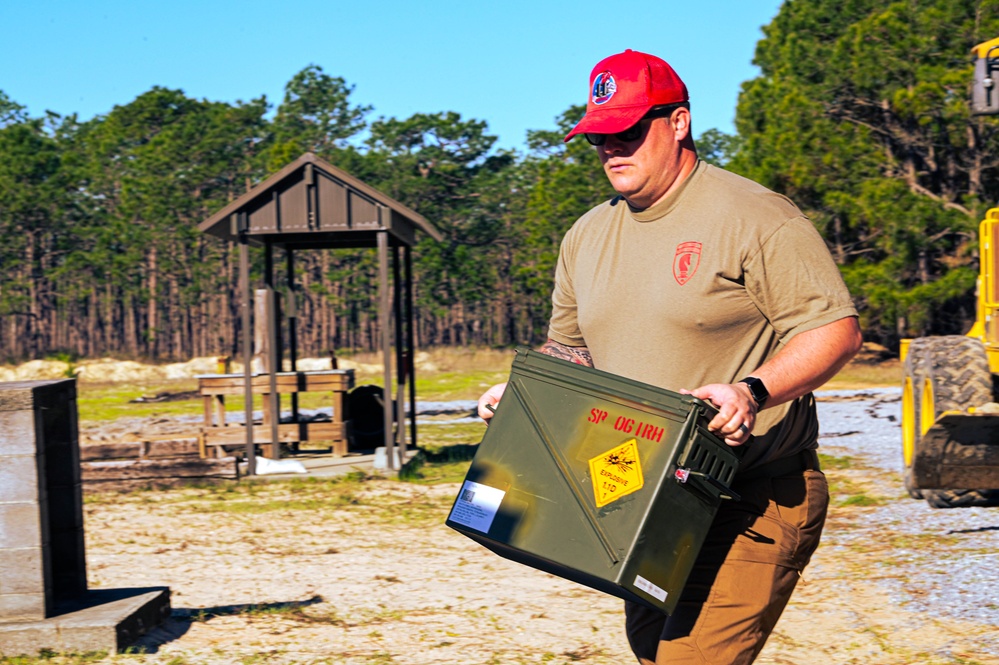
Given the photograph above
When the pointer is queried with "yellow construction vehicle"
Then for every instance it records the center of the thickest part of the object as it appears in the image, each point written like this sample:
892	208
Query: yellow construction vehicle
950	418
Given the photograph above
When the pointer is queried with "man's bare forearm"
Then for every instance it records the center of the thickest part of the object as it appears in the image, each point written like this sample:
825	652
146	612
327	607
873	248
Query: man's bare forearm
574	354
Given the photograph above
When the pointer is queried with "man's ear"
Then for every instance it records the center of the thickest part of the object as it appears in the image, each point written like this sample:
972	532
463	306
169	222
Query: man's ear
681	123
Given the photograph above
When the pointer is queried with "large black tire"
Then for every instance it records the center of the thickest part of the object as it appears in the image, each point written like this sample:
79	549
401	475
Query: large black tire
957	377
961	498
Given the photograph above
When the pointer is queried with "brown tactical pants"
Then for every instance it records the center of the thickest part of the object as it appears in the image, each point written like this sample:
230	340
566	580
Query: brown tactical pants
743	577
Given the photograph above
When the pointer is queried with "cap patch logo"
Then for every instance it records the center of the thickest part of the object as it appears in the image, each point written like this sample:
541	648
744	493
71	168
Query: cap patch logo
604	87
685	261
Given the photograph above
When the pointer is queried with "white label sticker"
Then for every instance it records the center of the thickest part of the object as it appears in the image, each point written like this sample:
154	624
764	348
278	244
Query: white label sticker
476	506
650	588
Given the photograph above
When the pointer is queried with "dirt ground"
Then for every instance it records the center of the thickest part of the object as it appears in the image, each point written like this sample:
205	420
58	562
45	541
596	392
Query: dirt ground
368	573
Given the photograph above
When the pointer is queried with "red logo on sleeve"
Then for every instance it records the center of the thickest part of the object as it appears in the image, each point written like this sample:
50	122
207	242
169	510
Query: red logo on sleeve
685	261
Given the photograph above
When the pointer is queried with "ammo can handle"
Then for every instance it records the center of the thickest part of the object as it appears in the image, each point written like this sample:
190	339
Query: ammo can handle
707	484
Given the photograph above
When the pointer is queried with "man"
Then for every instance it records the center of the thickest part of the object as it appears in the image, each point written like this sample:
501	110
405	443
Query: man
700	281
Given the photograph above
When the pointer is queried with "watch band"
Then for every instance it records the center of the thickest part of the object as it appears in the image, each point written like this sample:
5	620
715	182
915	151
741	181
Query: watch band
757	390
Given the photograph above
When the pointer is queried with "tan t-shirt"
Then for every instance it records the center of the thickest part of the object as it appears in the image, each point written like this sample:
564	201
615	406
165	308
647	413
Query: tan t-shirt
703	287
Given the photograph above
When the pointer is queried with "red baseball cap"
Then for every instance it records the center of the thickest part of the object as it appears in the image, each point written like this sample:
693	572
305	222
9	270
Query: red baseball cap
623	87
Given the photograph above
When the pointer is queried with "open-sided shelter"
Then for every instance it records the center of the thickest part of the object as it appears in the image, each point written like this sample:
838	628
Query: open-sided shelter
311	204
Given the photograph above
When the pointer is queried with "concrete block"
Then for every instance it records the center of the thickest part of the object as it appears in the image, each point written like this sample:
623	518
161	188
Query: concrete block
21	607
57	424
17	432
49	394
69	563
42	483
22	571
20	525
62	464
18	478
105	620
42	556
129	612
18	395
65	507
15	640
43	514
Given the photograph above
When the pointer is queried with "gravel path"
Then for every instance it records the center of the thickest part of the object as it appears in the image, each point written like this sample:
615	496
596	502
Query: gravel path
959	580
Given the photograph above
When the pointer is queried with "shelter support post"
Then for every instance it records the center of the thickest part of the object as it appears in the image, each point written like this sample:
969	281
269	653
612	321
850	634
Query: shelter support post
385	321
292	326
273	404
410	345
400	354
247	301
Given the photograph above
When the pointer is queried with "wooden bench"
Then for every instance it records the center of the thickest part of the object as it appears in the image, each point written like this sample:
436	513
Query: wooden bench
218	434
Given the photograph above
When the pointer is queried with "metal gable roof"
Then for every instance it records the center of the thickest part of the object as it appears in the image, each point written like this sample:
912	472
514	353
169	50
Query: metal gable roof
311	203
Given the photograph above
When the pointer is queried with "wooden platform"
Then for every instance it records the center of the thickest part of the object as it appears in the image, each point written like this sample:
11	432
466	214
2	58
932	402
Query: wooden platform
161	461
162	472
218	435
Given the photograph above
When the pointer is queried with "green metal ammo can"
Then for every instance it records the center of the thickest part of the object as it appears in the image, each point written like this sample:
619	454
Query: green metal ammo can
596	478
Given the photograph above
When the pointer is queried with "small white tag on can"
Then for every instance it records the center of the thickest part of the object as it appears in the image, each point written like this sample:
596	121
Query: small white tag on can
476	506
650	588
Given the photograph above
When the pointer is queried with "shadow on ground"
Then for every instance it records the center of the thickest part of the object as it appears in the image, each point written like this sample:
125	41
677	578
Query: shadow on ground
182	617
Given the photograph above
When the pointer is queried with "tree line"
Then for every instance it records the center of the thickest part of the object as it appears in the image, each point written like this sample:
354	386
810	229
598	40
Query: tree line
860	114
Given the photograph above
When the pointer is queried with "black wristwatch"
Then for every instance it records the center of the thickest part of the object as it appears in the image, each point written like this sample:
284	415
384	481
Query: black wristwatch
757	390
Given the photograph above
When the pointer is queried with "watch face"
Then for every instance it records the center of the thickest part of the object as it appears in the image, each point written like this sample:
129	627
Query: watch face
757	389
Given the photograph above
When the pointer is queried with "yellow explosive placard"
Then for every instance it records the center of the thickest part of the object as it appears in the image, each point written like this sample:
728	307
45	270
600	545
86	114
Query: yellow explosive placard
616	473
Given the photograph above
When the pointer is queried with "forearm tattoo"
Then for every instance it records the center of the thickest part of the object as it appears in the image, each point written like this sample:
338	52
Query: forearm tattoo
574	354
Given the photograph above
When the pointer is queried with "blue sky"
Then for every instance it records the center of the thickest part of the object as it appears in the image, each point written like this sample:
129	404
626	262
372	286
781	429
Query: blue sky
513	63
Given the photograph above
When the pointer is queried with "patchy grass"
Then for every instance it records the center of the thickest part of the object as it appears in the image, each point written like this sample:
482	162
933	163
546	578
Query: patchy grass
257	506
468	384
53	658
311	491
446	375
864	500
439	464
436	472
103	402
376	496
828	462
444	434
106	402
845	492
858	375
921	541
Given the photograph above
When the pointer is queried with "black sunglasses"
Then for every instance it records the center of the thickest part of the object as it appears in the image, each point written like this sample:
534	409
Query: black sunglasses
634	132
